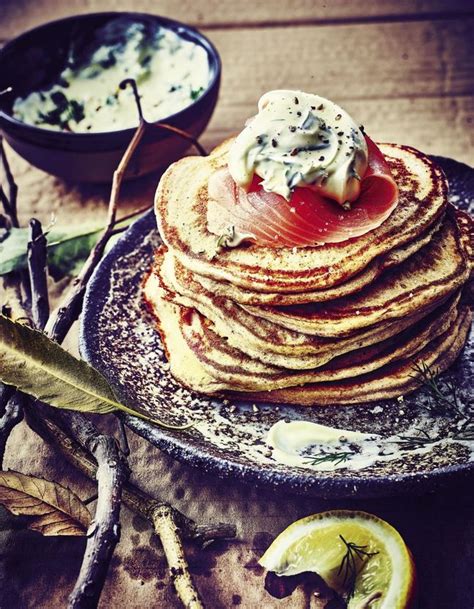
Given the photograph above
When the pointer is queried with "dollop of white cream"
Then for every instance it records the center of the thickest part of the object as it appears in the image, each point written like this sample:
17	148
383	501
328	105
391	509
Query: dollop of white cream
291	440
300	139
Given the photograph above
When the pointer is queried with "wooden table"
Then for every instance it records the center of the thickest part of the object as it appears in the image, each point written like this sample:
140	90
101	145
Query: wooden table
405	70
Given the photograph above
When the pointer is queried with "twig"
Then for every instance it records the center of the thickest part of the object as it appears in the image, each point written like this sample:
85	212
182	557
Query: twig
161	126
111	470
132	214
11	416
164	523
133	497
9	199
37	268
123	440
60	322
111	473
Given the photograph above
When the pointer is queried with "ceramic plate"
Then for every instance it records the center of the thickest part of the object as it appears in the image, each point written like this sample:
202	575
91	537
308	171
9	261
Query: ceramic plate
417	448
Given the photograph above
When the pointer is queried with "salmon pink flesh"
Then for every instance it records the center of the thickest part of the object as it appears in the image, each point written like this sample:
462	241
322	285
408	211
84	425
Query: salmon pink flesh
308	218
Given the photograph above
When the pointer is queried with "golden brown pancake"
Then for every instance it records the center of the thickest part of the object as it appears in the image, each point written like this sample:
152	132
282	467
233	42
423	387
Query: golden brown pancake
191	366
431	274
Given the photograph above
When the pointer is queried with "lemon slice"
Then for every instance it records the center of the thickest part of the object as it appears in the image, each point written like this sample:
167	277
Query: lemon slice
359	555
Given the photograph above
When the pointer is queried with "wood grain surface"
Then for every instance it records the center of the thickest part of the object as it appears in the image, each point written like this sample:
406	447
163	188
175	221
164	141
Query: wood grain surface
405	70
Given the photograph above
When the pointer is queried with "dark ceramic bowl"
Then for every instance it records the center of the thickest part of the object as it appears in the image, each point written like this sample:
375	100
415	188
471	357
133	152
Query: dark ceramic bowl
34	59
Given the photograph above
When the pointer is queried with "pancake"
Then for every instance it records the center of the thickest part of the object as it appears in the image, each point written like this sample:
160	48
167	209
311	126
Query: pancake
190	366
388	382
352	285
180	207
260	339
238	370
430	275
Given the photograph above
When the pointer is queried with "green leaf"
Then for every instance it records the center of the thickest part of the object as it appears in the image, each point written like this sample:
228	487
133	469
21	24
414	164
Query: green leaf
53	508
68	248
38	366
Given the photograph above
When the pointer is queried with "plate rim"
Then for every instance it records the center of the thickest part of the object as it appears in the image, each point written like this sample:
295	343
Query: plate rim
302	481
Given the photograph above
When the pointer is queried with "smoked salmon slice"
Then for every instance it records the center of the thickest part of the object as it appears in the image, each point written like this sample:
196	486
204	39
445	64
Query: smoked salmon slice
308	218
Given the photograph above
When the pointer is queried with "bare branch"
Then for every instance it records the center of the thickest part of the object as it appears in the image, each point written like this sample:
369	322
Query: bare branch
60	322
165	526
57	433
11	416
9	198
83	439
37	269
184	134
104	533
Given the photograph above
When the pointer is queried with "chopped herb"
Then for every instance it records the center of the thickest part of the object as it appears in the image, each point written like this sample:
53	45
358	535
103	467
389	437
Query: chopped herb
294	152
274	143
109	61
64	111
321	158
336	458
338	117
292	129
321	107
297	101
298	113
145	61
340	133
195	93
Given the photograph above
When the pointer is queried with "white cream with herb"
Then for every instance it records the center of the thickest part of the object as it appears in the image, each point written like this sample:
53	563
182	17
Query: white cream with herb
306	444
300	139
170	72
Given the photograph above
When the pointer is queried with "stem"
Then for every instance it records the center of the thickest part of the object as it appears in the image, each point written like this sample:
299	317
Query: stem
11	416
37	268
184	134
9	199
165	526
54	432
104	533
83	439
60	322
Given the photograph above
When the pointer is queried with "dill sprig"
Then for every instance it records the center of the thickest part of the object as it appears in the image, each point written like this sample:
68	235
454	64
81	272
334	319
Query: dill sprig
335	458
416	442
443	394
350	567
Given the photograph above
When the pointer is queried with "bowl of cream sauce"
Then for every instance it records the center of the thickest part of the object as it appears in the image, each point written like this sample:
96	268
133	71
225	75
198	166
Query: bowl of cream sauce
62	107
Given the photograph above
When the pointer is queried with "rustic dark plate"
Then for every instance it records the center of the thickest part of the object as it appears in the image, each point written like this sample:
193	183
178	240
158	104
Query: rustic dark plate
119	338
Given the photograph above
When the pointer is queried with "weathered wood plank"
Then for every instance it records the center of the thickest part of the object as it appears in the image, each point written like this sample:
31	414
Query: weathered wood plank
19	15
432	58
437	125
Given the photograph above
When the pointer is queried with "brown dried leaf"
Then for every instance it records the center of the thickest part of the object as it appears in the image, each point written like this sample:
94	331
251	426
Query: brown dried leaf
55	510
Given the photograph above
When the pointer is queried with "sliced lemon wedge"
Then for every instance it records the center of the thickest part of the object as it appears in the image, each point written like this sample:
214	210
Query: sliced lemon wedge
357	554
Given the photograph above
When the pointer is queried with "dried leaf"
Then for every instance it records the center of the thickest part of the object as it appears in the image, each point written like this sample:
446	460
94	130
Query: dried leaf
38	366
55	510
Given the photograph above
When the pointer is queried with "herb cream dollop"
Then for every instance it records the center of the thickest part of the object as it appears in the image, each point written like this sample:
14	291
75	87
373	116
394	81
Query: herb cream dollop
300	139
170	72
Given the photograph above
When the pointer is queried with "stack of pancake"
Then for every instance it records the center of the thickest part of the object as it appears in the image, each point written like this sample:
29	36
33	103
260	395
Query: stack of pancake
333	324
